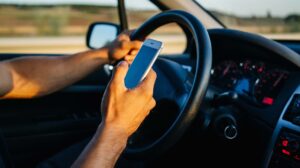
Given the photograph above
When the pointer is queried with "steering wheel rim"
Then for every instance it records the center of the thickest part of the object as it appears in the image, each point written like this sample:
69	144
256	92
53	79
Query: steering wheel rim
200	82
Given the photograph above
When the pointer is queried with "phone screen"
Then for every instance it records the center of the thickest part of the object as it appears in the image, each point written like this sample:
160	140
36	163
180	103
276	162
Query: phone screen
140	66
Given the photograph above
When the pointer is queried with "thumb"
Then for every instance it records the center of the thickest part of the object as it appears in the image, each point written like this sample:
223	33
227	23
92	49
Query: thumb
120	73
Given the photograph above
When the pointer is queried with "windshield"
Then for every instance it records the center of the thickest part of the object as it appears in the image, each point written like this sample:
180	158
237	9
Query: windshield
276	19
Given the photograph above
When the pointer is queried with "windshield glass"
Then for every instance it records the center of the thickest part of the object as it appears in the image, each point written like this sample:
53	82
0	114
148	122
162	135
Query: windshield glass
276	19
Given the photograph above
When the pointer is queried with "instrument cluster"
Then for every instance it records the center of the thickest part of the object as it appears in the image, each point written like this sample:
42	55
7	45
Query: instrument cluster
256	79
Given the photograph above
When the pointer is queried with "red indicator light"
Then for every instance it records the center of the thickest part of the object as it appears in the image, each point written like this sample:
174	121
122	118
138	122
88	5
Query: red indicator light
286	152
285	143
260	69
268	100
297	157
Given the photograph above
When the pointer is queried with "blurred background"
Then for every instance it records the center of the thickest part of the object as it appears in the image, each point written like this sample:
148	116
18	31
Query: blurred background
276	19
28	26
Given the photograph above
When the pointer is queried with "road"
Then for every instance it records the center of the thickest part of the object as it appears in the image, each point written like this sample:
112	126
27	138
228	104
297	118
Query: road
71	44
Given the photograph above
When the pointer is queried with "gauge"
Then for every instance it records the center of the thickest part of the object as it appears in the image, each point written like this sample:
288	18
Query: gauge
225	74
259	68
268	86
249	72
246	66
249	67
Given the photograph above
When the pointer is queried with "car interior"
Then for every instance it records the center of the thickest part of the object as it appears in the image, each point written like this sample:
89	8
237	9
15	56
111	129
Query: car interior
230	97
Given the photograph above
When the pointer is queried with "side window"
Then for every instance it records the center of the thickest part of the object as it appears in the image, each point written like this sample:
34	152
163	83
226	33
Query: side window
172	35
50	27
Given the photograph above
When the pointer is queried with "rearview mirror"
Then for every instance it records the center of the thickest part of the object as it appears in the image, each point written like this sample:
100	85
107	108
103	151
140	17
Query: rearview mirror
100	34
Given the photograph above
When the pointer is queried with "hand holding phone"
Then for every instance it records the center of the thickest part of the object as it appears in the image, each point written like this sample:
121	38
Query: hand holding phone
143	62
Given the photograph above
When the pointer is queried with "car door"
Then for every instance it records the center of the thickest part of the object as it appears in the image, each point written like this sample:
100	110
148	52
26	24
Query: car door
35	129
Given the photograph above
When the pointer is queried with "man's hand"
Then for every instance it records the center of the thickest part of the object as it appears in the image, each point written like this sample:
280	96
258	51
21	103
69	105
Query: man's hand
123	47
125	108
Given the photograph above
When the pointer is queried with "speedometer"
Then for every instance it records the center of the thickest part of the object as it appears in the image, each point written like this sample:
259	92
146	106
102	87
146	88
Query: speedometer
225	74
268	86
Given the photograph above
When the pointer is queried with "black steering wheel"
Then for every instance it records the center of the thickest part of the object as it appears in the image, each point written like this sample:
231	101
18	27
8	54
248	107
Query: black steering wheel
178	94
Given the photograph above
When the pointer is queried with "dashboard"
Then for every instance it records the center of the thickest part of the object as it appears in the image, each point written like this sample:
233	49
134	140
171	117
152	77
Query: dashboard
259	80
255	68
264	74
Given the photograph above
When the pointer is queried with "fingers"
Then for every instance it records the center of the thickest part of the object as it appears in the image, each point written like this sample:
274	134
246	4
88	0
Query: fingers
131	45
152	103
149	106
126	43
129	58
134	52
148	83
125	35
120	73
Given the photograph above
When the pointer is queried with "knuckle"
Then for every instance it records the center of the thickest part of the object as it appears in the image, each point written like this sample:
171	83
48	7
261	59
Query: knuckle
154	75
137	43
147	113
122	35
153	103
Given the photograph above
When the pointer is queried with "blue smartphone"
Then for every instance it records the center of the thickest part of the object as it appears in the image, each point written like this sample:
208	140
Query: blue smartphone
143	62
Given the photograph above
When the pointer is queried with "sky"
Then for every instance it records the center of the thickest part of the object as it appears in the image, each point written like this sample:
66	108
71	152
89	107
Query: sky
59	1
238	7
132	3
254	7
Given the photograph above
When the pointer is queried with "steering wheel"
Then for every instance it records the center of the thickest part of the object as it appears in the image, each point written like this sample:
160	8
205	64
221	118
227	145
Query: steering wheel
177	93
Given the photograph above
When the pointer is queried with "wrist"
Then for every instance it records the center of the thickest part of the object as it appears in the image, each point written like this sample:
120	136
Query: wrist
112	132
101	54
104	149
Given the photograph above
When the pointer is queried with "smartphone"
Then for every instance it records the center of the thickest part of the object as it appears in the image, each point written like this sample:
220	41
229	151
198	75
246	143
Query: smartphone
143	62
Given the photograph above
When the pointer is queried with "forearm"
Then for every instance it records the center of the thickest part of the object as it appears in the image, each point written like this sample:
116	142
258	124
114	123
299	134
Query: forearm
103	150
37	76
